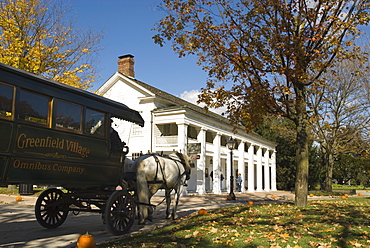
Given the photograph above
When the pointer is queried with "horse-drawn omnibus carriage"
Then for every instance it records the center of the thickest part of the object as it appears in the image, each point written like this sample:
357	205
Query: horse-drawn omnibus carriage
54	134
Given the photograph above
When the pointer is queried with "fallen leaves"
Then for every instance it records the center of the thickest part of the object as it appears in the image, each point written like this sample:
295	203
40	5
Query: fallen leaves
323	224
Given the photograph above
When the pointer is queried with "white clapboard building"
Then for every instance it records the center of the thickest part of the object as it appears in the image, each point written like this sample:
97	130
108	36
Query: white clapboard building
172	124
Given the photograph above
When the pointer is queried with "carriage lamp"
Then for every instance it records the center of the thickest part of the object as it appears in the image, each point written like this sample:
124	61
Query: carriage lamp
231	145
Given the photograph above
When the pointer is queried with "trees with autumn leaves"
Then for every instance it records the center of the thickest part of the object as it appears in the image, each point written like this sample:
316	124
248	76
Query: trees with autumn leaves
341	106
35	36
270	54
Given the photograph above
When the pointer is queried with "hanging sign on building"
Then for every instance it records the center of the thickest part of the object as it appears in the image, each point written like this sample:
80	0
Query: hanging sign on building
193	148
194	156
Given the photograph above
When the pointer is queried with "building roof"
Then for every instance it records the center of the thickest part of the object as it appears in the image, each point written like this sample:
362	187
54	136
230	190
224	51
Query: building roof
178	102
181	103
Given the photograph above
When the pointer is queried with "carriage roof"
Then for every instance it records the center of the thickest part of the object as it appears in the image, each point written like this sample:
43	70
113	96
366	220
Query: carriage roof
14	76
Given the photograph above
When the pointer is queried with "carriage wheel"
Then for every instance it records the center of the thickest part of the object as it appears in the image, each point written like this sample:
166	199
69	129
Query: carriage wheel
119	212
50	209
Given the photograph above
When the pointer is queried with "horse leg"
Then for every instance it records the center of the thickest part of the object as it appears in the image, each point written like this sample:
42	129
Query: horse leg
143	212
143	197
176	200
150	210
168	204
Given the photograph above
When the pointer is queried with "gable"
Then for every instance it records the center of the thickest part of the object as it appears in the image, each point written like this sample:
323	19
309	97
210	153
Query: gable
132	92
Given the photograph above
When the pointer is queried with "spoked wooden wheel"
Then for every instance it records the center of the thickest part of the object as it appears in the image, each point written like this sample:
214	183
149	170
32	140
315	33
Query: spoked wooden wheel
50	209
119	213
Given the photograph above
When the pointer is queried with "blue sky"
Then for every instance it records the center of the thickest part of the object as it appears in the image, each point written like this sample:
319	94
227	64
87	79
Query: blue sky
127	25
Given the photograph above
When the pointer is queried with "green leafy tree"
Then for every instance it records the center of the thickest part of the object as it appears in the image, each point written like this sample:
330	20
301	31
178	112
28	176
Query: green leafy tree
272	52
35	37
354	166
352	169
281	131
316	169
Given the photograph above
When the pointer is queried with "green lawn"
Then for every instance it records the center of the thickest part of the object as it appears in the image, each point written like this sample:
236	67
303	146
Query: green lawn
4	190
324	223
339	186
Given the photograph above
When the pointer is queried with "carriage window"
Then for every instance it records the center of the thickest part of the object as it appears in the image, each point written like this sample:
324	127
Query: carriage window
6	101
33	107
68	115
94	123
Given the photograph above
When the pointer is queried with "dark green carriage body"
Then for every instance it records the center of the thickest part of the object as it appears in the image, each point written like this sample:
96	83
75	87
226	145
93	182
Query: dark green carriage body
46	155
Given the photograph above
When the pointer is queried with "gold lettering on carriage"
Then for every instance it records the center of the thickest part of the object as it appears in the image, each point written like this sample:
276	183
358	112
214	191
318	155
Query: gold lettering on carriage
50	142
18	164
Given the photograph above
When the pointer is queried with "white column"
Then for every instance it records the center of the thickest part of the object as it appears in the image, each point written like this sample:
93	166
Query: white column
241	166
251	168
182	144
217	164
201	179
259	170
182	129
273	171
267	170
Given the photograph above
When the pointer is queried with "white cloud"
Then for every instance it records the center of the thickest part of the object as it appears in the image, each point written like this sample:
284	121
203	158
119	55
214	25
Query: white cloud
192	96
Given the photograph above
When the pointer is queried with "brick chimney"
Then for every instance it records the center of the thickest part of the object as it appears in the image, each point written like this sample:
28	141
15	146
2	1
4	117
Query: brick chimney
126	65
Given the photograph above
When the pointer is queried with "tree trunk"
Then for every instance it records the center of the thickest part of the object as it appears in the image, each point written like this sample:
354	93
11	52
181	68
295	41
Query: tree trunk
301	184
329	173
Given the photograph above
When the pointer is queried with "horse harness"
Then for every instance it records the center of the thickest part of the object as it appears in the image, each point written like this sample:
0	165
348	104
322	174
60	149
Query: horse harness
160	167
156	181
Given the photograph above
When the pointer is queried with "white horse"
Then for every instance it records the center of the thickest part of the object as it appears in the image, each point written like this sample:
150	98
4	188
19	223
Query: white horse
154	172
129	174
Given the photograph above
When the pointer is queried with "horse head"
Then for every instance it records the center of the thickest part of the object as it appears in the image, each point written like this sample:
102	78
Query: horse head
185	161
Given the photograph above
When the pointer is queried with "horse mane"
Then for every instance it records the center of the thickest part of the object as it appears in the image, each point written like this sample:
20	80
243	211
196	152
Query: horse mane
184	160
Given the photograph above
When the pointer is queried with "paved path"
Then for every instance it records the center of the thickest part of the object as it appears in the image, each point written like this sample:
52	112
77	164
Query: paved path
19	228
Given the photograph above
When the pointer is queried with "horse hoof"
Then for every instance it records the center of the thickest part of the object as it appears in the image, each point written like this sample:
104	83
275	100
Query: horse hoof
141	222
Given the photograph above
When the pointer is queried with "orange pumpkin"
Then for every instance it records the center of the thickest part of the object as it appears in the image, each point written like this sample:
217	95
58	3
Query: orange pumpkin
19	198
86	241
250	202
273	197
202	211
344	197
311	195
359	194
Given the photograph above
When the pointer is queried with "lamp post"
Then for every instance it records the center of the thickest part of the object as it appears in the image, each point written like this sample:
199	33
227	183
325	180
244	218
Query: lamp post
231	145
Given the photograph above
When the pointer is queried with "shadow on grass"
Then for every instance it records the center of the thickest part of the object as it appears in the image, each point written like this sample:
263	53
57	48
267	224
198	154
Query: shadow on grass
333	222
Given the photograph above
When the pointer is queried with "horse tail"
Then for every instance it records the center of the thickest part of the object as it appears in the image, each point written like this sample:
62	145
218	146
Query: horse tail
142	191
